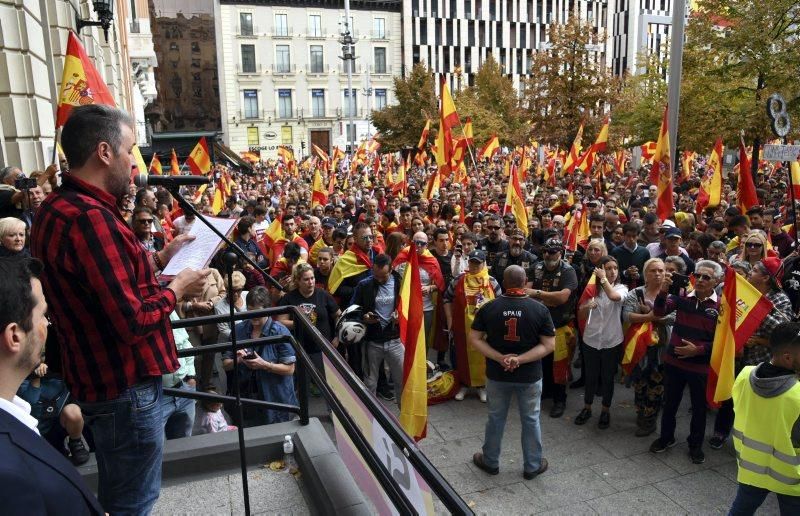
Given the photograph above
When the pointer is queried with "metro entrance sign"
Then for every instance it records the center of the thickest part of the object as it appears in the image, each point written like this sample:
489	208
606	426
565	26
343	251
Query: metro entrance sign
780	152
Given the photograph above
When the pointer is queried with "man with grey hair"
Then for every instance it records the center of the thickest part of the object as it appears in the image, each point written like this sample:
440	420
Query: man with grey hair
10	198
687	355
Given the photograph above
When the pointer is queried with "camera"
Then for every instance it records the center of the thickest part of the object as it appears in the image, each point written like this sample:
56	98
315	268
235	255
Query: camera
679	282
25	183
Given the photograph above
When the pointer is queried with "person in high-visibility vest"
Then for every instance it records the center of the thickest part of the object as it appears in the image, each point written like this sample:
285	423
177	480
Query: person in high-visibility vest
766	431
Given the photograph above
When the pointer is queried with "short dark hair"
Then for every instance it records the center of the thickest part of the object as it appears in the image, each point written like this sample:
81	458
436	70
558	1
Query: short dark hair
360	226
785	335
244	224
405	208
339	233
382	260
291	251
88	126
629	227
259	211
470	236
649	218
141	209
258	297
597	217
16	296
739	220
440	231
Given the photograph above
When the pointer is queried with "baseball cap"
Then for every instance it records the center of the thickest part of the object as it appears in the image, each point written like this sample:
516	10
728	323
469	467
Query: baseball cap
668	224
516	232
774	267
673	232
553	244
328	221
477	255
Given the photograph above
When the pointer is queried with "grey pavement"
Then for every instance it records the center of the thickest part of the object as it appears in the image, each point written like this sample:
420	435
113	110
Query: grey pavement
591	471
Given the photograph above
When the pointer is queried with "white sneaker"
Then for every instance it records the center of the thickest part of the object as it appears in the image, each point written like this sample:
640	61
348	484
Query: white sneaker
461	393
482	394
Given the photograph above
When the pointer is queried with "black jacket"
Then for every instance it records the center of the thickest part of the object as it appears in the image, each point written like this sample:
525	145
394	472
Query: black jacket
364	296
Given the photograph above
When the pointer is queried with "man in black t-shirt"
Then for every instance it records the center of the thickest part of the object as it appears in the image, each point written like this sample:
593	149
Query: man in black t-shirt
514	333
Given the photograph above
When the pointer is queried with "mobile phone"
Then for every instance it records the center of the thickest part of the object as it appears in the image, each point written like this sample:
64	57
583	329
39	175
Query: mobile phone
679	282
249	354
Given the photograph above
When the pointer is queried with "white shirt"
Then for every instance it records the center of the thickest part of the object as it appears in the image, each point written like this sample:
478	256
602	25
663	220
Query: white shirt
604	326
21	410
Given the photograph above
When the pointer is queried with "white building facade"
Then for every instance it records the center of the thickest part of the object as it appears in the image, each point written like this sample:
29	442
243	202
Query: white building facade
635	27
282	81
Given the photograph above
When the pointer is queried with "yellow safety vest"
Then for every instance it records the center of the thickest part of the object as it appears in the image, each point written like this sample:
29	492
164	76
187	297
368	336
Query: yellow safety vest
762	437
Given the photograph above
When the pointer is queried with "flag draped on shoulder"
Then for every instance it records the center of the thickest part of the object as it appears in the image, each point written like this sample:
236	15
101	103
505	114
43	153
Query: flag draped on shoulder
414	398
661	173
199	159
637	338
81	84
741	311
353	262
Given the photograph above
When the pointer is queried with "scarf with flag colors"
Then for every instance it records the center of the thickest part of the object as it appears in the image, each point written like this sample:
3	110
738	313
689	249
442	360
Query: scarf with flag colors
741	311
353	262
414	397
471	291
636	339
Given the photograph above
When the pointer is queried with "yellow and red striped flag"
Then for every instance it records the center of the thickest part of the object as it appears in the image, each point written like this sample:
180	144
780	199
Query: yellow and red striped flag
468	133
319	194
648	151
448	118
155	166
423	138
138	160
199	159
588	293
491	147
661	173
319	152
741	311
515	202
574	152
586	161
400	182
175	169
637	338
432	185
686	165
81	84
414	399
710	191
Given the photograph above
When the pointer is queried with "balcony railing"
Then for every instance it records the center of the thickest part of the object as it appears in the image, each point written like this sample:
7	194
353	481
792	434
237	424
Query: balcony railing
256	69
135	27
380	70
253	115
380	34
245	31
356	68
318	70
285	32
314	34
280	68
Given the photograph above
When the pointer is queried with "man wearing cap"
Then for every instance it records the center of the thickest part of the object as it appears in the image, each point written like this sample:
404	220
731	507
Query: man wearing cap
554	284
325	239
494	243
462	299
516	255
672	247
766	276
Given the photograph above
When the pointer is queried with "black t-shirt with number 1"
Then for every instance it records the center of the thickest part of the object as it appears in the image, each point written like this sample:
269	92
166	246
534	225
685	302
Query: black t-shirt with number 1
513	324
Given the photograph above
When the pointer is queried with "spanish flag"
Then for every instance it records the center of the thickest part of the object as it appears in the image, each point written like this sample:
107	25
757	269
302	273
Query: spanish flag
175	169
661	173
468	133
199	159
471	292
589	292
319	196
400	182
711	185
353	262
432	185
491	147
794	170
741	311
574	152
155	166
448	118
414	399
81	84
577	230
515	202
637	338
686	165
423	138
140	167
648	151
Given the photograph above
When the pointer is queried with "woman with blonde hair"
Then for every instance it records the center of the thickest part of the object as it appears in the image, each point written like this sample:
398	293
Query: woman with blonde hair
12	237
754	248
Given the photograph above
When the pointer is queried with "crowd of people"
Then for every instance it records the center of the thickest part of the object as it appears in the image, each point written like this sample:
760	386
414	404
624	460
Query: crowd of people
111	350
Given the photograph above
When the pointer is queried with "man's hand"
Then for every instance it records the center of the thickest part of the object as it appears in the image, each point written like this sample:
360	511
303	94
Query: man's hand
190	283
41	370
633	272
687	350
173	247
667	282
370	318
510	362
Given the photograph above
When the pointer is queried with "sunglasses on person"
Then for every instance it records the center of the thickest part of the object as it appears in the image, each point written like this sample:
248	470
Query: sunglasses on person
704	277
420	243
145	221
493	228
754	245
551	250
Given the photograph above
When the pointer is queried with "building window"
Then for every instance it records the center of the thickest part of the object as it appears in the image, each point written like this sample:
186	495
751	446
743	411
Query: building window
380	99
318	103
315	25
468	9
284	103
379	28
249	58
250	104
316	60
380	59
350	27
286	135
252	136
350	103
423	31
281	25
283	61
246	24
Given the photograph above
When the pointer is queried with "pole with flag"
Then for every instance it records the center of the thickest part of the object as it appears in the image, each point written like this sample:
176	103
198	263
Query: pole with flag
155	165
515	202
661	173
199	160
414	398
746	195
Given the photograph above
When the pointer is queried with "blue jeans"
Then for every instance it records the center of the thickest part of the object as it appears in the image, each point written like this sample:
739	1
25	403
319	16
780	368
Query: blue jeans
178	414
529	399
749	498
129	440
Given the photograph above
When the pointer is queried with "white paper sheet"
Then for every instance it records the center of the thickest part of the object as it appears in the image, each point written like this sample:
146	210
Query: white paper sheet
198	253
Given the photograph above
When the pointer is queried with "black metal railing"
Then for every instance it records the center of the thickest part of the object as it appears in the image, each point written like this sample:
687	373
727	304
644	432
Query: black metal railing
306	371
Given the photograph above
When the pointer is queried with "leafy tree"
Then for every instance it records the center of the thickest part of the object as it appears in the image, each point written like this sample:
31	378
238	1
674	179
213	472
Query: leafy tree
400	124
494	106
569	81
738	52
636	118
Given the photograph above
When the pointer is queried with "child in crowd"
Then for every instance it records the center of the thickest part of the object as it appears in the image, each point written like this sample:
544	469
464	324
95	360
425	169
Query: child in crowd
210	418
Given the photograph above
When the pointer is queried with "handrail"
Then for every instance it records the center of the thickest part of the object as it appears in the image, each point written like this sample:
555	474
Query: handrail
439	485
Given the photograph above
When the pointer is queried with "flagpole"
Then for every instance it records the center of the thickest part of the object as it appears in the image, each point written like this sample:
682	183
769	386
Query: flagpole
469	147
55	150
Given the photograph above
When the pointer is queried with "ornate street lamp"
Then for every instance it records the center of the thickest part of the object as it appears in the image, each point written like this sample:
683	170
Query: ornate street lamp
105	13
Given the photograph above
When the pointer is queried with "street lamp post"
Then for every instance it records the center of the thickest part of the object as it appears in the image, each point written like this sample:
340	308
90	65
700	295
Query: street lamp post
368	93
675	72
349	59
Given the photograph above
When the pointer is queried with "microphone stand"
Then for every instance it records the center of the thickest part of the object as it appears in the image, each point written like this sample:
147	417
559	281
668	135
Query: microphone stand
186	206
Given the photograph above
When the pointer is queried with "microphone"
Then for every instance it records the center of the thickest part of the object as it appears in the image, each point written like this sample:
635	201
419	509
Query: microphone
143	180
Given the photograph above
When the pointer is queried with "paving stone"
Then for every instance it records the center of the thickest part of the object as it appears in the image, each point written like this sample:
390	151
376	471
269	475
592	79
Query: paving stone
209	496
558	490
645	500
464	479
451	453
574	455
270	491
506	500
702	492
634	471
576	509
678	458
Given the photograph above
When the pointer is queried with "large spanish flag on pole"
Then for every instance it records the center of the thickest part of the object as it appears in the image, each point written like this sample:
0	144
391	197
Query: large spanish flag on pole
199	160
448	118
710	191
661	173
155	166
414	399
319	196
491	147
574	152
741	311
81	84
515	202
175	169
